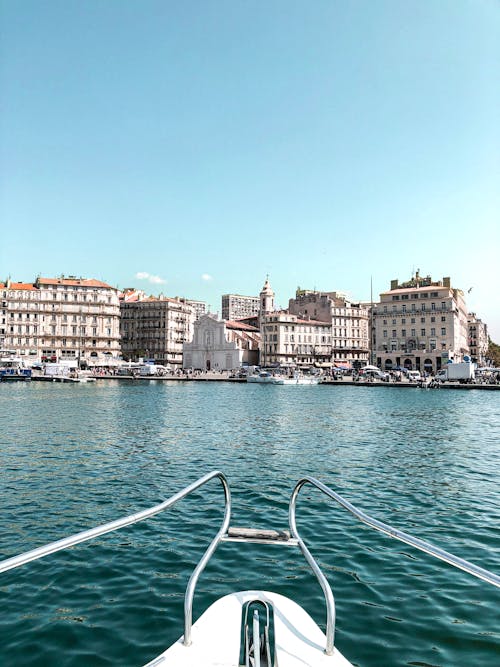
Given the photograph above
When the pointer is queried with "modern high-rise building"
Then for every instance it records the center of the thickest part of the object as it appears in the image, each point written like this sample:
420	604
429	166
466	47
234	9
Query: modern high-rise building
236	306
55	319
420	325
199	307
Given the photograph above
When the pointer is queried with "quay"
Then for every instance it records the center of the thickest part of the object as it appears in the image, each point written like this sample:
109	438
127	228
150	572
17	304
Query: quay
227	377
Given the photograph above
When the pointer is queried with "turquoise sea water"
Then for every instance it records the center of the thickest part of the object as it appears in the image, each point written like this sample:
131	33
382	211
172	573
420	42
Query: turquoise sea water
74	456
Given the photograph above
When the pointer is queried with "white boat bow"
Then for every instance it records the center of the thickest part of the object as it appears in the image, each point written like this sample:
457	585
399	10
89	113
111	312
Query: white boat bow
216	636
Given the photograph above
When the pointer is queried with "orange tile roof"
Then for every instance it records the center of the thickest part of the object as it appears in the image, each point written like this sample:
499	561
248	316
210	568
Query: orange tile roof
19	286
84	282
242	326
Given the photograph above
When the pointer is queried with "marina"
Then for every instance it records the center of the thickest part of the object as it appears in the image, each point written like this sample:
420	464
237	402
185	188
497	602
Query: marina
420	461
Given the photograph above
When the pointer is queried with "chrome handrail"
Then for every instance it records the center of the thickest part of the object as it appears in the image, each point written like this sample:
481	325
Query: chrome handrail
426	547
77	538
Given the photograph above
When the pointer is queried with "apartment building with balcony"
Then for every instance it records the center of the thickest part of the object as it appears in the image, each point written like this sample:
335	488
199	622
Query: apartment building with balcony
349	323
199	307
420	325
156	328
289	340
236	306
478	339
66	318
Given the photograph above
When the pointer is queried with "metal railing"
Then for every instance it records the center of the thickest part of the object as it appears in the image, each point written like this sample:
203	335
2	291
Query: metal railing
426	547
252	535
67	542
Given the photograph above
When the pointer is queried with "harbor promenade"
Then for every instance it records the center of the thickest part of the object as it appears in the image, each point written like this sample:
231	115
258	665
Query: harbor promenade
226	376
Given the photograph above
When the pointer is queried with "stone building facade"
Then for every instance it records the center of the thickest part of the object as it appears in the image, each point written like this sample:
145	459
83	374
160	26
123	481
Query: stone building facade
61	319
420	325
349	323
156	328
288	340
478	339
219	345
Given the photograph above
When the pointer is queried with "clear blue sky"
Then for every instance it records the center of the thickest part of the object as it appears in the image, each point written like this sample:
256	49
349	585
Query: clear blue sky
206	144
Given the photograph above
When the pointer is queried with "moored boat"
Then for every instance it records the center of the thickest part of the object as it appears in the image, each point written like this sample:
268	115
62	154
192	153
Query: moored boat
264	377
297	379
13	369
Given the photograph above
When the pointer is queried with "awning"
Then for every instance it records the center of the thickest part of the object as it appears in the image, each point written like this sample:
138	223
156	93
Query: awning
343	366
326	364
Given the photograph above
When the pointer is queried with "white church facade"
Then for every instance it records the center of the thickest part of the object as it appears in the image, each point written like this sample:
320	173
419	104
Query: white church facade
218	345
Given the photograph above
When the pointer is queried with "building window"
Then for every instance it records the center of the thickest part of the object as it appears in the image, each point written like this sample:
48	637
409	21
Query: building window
422	332
403	333
443	331
413	333
385	333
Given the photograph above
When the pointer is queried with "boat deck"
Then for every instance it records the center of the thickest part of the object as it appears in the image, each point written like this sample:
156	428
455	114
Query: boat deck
216	636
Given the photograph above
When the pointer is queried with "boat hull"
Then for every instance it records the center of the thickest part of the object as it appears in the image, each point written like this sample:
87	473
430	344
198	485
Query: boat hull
297	381
216	636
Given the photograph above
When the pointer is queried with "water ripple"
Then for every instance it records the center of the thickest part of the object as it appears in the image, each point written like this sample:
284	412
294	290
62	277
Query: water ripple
74	456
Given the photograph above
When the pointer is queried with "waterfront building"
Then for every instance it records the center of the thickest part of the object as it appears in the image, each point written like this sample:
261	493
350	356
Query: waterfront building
236	306
61	319
220	345
289	340
420	325
349	323
478	339
132	294
155	328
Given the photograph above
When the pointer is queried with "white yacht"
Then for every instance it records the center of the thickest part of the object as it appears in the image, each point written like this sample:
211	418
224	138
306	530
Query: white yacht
264	377
297	379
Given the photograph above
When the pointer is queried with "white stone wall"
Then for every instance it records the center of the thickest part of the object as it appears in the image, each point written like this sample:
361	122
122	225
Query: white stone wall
210	348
